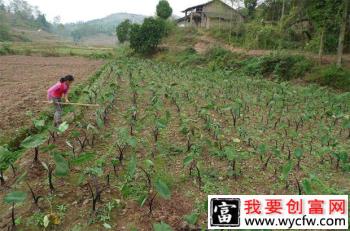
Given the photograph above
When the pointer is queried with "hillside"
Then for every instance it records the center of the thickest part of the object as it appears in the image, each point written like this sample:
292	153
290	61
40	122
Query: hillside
19	19
99	31
24	23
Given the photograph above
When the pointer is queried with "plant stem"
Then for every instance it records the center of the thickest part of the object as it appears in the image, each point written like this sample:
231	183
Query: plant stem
36	156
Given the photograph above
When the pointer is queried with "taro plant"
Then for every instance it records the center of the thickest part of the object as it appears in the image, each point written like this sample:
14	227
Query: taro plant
33	142
159	124
60	168
55	131
286	170
92	132
14	198
123	141
7	159
93	177
35	196
162	227
192	162
341	156
346	124
187	129
131	117
235	111
298	153
155	185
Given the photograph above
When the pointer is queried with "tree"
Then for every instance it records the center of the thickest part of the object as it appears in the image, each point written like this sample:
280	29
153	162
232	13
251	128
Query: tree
342	32
21	9
76	34
324	14
57	20
251	5
4	29
2	6
43	23
164	10
145	38
123	31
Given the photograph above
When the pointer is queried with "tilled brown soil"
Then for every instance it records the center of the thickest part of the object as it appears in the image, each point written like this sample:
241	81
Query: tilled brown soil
24	80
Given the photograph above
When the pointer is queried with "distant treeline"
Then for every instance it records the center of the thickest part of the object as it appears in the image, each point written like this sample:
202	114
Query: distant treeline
20	14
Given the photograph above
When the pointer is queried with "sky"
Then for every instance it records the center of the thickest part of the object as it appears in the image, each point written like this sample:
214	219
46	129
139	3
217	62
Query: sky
84	10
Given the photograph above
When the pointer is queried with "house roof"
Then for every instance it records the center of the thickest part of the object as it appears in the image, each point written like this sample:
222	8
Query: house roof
204	4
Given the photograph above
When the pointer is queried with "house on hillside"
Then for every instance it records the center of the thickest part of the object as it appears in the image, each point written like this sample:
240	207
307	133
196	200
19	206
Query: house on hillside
211	14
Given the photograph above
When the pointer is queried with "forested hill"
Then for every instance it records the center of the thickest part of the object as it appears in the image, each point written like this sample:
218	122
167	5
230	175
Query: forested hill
18	17
20	21
105	26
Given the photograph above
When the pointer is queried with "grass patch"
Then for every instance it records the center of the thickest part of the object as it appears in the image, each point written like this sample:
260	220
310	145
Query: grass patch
55	50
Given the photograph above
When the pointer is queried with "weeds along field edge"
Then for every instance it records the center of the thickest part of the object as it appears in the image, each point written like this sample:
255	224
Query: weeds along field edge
166	137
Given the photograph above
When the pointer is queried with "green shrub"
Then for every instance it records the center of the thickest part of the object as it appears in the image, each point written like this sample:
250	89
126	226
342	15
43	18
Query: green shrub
219	58
106	55
5	49
123	31
50	53
27	52
338	78
145	38
189	57
4	32
265	37
281	67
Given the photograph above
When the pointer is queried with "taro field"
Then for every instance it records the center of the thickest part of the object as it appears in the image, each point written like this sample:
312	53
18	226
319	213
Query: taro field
163	139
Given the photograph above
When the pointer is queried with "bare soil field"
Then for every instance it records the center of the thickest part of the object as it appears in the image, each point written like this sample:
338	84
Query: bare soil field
24	80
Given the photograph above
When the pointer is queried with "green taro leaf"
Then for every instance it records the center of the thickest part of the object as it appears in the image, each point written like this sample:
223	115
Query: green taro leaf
132	141
132	166
161	227
298	153
191	218
262	149
286	169
188	160
48	148
63	127
142	199
15	197
230	153
307	187
82	158
163	189
39	124
100	122
4	154
34	141
62	168
346	124
160	124
96	171
149	163
107	226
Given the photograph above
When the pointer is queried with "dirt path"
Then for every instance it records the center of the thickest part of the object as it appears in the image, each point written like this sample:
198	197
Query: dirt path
23	80
206	42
